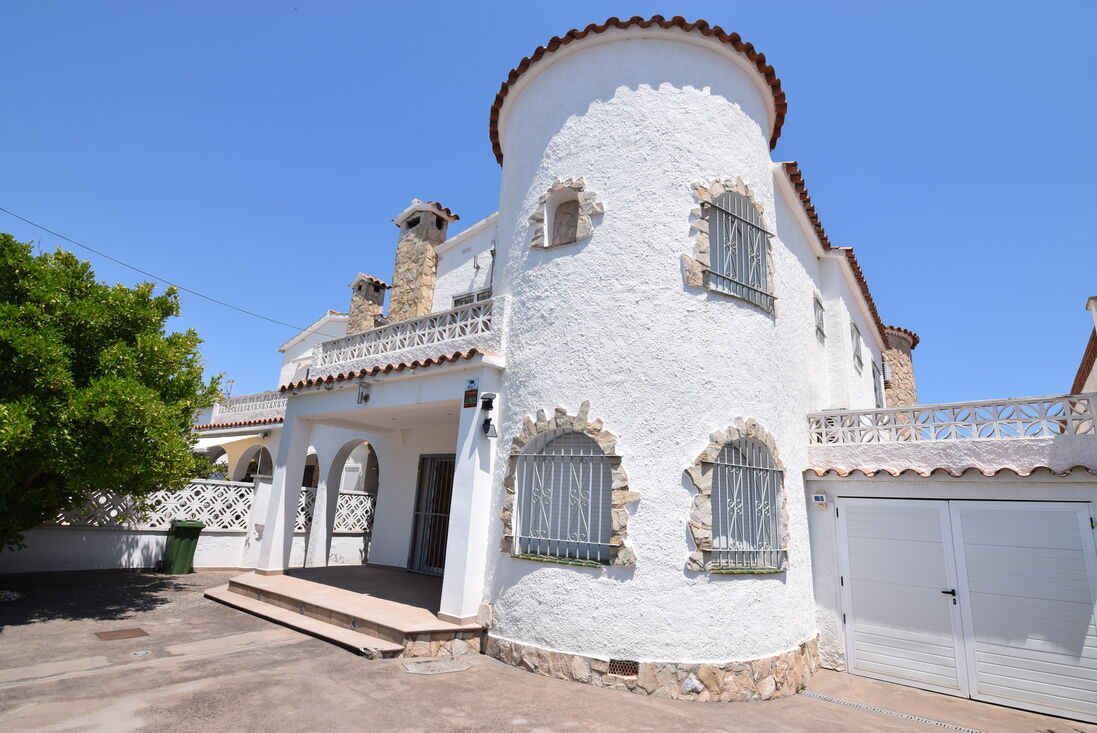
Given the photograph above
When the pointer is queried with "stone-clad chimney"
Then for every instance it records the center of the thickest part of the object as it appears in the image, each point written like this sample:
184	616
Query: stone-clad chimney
422	228
367	302
899	388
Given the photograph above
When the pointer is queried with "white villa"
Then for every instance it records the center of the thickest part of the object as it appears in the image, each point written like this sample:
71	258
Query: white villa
644	428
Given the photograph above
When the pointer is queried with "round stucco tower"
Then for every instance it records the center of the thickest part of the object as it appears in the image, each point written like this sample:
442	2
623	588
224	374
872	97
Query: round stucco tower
632	118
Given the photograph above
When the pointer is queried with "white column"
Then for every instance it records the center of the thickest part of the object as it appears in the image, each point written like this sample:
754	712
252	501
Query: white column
285	492
323	519
470	510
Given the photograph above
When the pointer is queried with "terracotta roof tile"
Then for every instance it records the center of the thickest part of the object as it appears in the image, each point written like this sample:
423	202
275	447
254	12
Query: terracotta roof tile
914	339
375	280
443	209
241	424
796	177
1089	357
780	104
1022	472
387	369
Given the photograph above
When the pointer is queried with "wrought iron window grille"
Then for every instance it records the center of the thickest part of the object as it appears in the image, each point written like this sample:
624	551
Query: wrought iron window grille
738	251
747	531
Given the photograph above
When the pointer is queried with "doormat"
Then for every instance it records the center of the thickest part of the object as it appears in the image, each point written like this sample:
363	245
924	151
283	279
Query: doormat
870	708
120	634
437	666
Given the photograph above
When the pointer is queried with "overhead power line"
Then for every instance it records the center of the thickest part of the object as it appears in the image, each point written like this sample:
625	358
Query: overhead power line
146	273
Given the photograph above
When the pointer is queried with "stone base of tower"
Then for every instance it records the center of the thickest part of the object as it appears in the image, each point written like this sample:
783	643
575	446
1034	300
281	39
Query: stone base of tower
757	679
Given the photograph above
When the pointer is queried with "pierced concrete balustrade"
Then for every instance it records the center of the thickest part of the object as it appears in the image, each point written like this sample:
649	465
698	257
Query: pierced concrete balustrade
259	406
476	325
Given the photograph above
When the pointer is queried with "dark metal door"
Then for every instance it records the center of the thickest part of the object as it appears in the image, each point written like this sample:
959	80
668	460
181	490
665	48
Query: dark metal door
428	545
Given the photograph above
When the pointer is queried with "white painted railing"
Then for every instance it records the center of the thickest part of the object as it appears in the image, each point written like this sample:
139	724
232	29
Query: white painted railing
258	406
1033	417
220	505
466	326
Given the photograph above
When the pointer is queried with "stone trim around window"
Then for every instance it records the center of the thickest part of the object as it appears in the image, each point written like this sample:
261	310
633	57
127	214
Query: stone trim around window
589	207
695	267
700	474
757	679
620	496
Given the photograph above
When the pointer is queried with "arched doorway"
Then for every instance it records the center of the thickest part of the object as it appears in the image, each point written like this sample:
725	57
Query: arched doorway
256	460
346	507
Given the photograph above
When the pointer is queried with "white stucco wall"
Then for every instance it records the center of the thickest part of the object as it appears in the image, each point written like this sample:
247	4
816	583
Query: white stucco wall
297	352
610	320
1041	486
464	263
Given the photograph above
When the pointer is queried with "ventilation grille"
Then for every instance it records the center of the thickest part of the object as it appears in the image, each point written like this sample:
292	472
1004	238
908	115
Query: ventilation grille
624	667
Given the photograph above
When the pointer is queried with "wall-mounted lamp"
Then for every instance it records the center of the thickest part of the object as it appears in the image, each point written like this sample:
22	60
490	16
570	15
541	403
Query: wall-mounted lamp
363	393
487	404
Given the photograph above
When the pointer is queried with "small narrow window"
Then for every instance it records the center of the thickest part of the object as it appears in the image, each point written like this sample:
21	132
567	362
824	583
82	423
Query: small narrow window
878	385
738	250
820	331
565	222
746	510
855	336
564	499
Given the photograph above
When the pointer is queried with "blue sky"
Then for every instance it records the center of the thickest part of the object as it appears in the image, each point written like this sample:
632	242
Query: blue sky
257	151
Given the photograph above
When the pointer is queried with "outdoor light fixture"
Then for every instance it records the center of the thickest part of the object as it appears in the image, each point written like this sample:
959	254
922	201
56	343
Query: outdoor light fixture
487	404
363	393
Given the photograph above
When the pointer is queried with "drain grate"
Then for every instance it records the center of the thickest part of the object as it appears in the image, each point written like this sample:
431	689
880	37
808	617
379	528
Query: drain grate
892	713
120	634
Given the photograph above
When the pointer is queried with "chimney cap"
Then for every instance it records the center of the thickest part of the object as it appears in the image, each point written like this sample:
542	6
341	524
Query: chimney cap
369	278
1091	304
432	207
903	333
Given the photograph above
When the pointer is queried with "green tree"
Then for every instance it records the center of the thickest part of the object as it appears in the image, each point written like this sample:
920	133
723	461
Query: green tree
95	394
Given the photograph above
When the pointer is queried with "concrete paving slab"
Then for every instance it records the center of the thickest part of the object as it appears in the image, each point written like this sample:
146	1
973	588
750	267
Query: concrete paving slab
211	667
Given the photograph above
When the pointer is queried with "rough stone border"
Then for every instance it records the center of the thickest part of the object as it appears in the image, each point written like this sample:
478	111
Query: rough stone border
442	644
757	679
620	495
700	474
693	268
588	207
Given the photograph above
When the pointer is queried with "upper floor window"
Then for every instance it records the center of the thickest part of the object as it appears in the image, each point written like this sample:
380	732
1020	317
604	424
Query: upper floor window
820	331
855	336
878	385
738	250
470	298
564	499
746	509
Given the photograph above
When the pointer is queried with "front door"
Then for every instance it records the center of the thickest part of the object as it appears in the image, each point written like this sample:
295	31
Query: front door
428	544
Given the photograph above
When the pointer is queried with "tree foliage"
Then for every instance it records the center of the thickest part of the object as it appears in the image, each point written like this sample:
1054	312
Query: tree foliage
95	394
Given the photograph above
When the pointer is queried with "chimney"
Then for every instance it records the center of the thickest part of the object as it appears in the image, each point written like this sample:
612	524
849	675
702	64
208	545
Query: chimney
422	228
367	301
899	388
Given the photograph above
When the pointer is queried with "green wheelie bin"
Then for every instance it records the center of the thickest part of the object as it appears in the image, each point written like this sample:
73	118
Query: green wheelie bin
182	539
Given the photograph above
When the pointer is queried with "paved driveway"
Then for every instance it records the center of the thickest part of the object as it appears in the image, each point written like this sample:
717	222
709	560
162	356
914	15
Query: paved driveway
203	665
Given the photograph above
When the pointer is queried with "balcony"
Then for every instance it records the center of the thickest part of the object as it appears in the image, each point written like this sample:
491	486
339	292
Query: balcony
476	325
1057	432
267	406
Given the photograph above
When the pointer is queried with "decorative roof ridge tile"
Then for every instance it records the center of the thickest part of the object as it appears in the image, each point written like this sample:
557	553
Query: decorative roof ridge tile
387	369
372	279
780	103
1089	358
954	473
239	423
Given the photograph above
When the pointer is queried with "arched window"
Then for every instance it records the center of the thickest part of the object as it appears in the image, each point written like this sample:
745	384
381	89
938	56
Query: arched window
746	509
738	250
564	499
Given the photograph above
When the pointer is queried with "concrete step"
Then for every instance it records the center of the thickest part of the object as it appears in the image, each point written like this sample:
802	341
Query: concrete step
370	646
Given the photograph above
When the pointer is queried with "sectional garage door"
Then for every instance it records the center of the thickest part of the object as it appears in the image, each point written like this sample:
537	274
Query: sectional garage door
992	600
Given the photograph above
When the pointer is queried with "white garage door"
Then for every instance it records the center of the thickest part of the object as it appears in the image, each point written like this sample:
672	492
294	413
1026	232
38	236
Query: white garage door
992	600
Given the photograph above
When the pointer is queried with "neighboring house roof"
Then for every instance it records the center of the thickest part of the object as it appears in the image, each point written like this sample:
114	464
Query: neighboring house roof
317	325
1089	357
239	424
387	369
780	104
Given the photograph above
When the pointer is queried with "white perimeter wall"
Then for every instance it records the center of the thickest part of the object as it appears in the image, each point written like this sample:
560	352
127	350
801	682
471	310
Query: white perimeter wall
1040	486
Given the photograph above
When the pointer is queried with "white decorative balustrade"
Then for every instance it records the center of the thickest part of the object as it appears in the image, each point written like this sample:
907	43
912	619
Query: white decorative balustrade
258	406
445	332
354	512
221	505
1034	417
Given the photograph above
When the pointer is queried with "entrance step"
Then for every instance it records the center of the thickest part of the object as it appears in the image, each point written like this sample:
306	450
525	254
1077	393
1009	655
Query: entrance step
345	617
364	644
